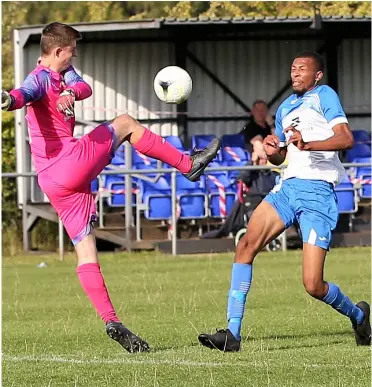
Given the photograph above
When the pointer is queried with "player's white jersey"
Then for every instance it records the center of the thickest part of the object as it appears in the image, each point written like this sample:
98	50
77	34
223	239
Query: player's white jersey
314	114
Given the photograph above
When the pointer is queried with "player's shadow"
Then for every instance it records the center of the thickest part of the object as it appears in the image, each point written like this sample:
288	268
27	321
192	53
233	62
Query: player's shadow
163	348
305	345
325	343
305	335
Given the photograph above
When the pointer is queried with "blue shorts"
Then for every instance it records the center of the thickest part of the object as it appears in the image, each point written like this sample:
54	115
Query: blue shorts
312	202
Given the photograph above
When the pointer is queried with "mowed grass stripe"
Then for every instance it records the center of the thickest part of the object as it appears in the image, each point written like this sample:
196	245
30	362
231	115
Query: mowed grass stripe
52	337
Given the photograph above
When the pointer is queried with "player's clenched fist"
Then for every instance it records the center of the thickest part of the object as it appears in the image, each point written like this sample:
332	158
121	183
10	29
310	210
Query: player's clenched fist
6	100
295	137
271	144
65	103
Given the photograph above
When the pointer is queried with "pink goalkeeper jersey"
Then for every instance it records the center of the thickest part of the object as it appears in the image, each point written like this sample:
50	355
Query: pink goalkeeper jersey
51	132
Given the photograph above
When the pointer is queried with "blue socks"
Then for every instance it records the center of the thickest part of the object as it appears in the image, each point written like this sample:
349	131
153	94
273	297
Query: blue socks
342	304
241	278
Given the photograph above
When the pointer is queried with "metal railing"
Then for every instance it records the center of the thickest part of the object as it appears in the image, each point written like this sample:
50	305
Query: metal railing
128	194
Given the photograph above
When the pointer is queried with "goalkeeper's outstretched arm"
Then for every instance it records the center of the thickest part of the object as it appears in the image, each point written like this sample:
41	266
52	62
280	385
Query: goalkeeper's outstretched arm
31	90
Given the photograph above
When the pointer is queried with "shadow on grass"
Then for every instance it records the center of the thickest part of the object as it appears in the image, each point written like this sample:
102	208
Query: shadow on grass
164	348
301	335
300	344
155	348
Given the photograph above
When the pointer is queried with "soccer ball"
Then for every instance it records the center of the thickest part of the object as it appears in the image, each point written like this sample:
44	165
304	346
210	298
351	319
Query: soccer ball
172	84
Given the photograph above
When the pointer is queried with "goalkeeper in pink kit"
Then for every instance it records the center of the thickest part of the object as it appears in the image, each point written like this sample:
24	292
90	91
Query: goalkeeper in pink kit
66	166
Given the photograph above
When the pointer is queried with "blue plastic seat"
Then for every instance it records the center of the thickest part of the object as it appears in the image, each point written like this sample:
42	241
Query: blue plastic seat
117	197
365	191
361	136
364	173
214	196
142	166
233	140
192	197
233	175
157	197
141	161
358	151
120	152
234	154
214	204
362	170
118	160
94	186
116	177
346	197
184	184
175	141
200	141
115	183
215	164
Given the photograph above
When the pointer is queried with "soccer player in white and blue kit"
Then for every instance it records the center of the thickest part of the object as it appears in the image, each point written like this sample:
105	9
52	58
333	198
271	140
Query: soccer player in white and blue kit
311	127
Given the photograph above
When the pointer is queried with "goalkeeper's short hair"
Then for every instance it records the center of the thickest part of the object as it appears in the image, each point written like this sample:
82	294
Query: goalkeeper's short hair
57	35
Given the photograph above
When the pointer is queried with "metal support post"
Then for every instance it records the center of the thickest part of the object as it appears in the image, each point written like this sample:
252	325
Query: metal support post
61	249
128	195
284	240
174	212
138	217
26	244
100	200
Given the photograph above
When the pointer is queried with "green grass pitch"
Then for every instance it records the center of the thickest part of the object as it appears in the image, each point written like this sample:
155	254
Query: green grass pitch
51	335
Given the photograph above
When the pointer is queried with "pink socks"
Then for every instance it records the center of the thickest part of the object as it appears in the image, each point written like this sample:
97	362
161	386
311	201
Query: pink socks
156	147
92	282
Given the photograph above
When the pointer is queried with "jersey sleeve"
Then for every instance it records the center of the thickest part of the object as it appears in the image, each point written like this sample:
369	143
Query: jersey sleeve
331	107
32	89
77	84
279	128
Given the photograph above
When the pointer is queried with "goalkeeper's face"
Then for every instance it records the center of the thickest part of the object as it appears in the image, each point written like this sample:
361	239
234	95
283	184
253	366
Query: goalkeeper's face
64	55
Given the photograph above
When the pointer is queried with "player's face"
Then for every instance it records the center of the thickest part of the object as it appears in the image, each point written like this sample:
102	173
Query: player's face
259	111
66	54
304	75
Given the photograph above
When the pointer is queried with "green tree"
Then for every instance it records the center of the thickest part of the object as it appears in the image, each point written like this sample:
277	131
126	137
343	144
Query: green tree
267	8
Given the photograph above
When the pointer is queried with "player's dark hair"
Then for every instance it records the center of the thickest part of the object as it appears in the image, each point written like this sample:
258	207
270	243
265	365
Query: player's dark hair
57	35
319	61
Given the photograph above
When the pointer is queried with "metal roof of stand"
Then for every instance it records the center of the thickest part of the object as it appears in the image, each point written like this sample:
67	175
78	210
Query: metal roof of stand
259	19
205	28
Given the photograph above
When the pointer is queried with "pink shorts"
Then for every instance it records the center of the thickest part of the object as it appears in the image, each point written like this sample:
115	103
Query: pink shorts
67	182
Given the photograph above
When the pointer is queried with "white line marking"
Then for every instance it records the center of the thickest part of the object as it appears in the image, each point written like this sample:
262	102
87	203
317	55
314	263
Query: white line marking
176	363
